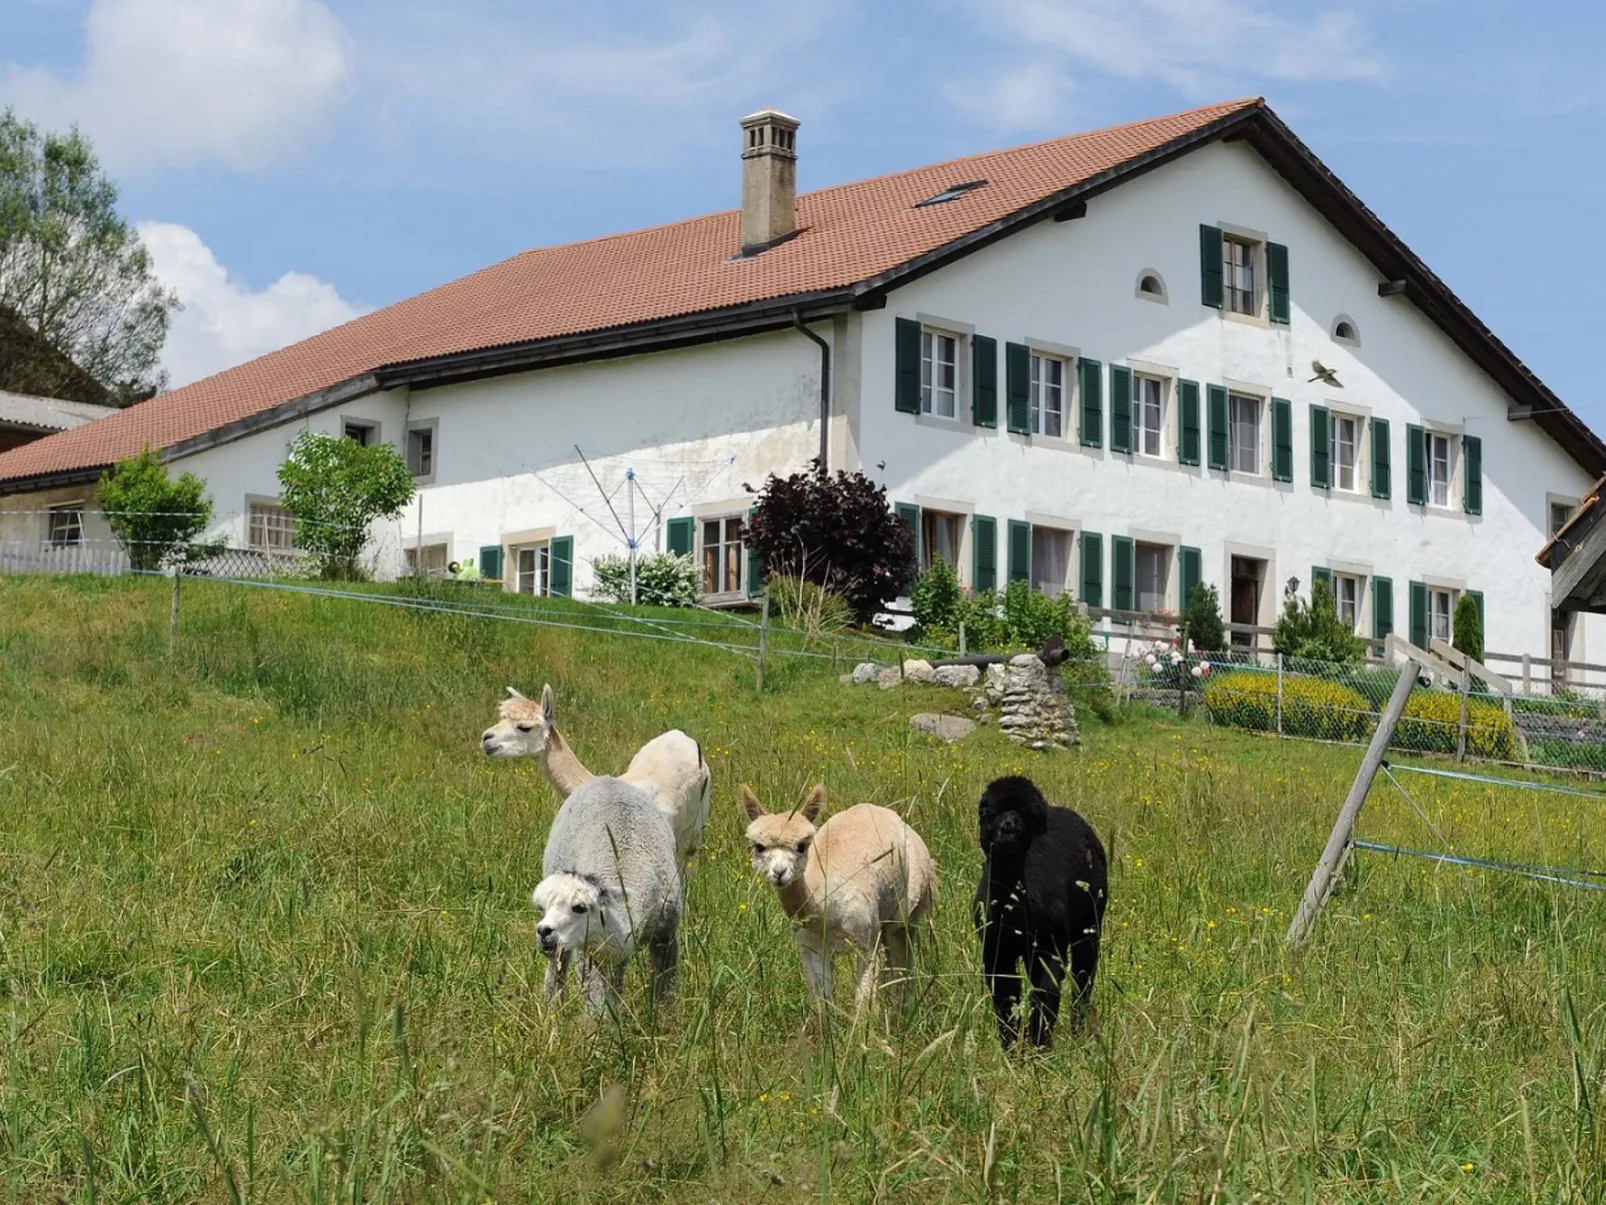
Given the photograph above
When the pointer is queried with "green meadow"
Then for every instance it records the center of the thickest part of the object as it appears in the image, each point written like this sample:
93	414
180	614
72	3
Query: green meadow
265	935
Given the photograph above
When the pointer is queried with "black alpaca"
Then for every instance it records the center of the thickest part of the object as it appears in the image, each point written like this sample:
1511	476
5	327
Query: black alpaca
1040	902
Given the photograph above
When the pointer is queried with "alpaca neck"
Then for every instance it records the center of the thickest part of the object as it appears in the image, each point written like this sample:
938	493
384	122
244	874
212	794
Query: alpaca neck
803	899
562	767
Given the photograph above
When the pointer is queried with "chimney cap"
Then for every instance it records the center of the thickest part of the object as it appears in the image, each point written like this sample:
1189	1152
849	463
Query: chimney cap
771	116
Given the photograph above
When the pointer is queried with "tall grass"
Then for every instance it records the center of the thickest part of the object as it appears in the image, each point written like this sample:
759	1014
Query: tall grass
264	935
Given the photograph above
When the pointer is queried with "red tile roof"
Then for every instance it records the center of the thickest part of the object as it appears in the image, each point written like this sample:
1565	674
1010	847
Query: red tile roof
849	233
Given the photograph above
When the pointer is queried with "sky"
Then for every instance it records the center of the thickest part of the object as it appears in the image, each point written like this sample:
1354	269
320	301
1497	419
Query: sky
294	163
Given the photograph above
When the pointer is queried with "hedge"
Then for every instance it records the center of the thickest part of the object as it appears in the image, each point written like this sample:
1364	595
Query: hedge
1432	721
1311	706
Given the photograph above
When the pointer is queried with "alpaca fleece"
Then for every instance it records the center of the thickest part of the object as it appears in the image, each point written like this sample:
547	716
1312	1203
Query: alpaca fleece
1040	905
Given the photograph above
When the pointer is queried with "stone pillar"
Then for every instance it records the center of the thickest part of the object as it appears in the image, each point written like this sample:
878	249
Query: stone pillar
1037	712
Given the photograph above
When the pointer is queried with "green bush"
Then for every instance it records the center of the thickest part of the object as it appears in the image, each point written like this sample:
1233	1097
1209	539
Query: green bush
1202	617
662	579
1311	706
936	597
155	517
337	488
1313	630
1432	719
1467	636
809	607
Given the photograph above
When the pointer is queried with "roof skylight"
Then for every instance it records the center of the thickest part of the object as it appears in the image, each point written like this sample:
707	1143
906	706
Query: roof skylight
952	193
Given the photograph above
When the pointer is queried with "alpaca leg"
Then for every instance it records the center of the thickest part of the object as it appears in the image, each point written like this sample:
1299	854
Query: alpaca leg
895	939
816	970
1048	973
663	958
1084	965
869	971
1006	989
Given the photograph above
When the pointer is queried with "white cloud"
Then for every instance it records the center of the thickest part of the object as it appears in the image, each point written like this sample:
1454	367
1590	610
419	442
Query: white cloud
1031	97
171	82
224	323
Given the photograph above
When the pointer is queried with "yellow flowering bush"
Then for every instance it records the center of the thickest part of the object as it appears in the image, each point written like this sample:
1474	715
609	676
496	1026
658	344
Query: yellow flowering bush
1311	706
1432	721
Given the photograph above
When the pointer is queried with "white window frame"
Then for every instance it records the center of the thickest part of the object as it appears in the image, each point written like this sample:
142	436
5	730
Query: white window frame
931	343
1068	536
1357	583
961	525
725	548
1259	409
1451	597
1252	262
70	534
539	574
1552	502
432	551
1141	429
431	429
1357	459
1166	553
1430	438
368	427
1039	388
269	526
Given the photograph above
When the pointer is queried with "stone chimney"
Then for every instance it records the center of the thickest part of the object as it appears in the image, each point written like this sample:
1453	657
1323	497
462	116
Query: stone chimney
769	178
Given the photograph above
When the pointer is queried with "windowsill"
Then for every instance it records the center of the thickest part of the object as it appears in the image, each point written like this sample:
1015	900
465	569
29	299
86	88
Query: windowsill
1057	443
1246	319
956	425
1446	512
1334	494
726	598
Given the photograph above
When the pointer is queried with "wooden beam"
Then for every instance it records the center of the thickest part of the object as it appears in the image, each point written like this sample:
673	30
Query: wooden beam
1070	211
1583	565
1391	288
1476	668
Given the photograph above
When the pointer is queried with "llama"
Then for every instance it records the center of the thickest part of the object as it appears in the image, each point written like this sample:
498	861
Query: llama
858	884
670	767
611	886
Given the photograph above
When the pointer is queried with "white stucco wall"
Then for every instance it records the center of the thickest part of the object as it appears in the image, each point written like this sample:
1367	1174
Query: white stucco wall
1073	284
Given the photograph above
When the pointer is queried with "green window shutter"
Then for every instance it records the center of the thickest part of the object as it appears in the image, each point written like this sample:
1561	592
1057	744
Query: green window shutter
1192	563
1382	607
1321	455
1382	469
1092	545
1419	614
1320	573
1091	427
681	535
1477	600
1282	439
1123	566
910	514
1277	282
1018	387
1416	466
755	570
561	571
1188	422
1020	551
491	562
1212	287
906	396
1472	475
983	554
1120	408
1216	397
984	381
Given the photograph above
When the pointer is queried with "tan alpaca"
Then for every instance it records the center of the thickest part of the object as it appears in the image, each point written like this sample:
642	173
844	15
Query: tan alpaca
670	767
856	885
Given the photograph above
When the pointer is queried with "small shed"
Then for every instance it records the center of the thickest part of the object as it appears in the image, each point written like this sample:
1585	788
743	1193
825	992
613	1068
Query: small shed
1576	558
25	418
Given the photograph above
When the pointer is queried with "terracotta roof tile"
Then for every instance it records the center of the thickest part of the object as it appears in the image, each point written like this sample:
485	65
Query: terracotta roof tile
849	233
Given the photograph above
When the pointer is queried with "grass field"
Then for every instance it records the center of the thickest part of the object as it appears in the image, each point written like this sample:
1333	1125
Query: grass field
265	935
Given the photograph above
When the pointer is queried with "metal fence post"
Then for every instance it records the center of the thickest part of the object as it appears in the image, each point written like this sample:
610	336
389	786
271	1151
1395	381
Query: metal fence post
763	637
172	632
1461	727
1527	671
1279	657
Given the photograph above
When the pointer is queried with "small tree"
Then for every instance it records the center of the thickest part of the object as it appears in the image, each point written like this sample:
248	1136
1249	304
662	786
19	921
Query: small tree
156	518
336	488
837	532
936	596
1314	630
1468	632
1202	618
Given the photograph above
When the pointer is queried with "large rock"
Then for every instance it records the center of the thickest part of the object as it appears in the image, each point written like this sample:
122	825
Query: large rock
1037	712
997	679
948	728
887	678
865	672
915	670
956	675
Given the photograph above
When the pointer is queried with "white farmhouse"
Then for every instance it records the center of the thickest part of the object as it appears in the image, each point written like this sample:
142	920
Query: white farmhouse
1117	363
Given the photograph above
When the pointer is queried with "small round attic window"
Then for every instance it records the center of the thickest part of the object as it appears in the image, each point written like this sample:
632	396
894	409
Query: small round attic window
1151	286
1345	331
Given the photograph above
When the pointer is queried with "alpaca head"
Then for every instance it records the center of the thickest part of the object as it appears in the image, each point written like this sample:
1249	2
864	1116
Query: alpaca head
572	913
523	726
781	841
1012	811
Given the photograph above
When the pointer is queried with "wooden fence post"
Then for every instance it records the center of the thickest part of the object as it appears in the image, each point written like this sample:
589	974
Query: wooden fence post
1461	727
961	637
1279	657
763	637
1338	844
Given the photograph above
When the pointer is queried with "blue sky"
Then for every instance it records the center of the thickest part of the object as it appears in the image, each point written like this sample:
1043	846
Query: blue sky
293	162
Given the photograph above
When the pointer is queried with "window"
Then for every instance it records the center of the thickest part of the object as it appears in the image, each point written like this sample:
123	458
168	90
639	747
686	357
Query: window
270	527
1561	644
66	525
723	555
939	374
1243	420
1441	606
952	193
532	569
1438	470
1051	559
1151	286
940	535
1345	444
434	560
1347	594
1148	415
1153	560
1344	331
359	433
1048	396
1239	257
421	451
1560	512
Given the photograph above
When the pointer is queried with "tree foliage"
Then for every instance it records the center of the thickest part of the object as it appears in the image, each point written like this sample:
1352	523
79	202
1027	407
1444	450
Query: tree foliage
73	273
155	517
835	531
1314	631
1202	615
336	488
1467	635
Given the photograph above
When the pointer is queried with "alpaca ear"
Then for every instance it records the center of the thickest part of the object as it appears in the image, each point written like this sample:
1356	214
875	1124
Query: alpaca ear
513	692
813	804
547	705
751	805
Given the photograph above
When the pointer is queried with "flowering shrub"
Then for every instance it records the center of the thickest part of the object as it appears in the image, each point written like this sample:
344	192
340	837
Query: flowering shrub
1311	707
662	579
1432	723
1167	666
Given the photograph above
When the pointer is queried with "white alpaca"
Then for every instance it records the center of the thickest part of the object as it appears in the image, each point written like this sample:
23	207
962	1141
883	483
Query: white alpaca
611	886
670	767
857	885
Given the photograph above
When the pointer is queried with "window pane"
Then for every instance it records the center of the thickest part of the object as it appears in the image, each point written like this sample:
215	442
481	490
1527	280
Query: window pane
1151	573
1050	559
